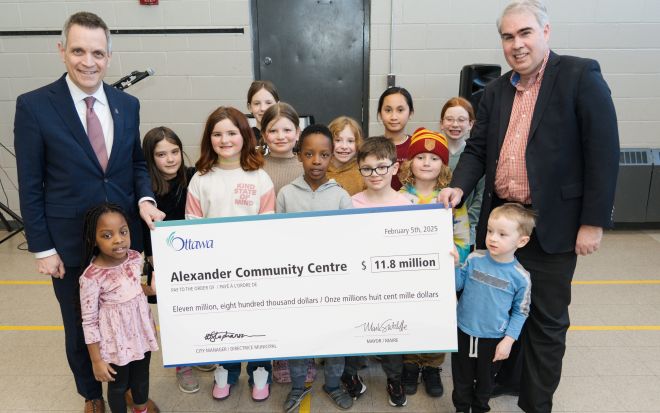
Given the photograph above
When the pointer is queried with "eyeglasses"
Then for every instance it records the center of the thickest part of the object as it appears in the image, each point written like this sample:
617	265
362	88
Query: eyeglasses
457	120
380	170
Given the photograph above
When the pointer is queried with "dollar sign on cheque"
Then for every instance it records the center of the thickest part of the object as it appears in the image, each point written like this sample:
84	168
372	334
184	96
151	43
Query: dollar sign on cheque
364	267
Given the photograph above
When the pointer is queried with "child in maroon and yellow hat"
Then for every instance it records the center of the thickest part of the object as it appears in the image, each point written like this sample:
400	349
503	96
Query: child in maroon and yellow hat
423	175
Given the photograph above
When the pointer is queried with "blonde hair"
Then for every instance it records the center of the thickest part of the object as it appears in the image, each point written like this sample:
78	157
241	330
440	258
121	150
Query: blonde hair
338	124
525	218
407	178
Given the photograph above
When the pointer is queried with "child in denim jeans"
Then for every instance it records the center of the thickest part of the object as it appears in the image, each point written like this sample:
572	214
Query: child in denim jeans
314	191
377	162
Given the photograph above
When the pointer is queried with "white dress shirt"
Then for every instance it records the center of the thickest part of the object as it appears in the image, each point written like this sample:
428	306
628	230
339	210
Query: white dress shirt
101	108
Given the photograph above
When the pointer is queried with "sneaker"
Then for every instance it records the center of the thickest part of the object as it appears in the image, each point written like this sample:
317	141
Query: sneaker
187	381
281	372
354	385
410	378
342	399
396	393
221	389
311	371
294	398
260	388
206	367
432	381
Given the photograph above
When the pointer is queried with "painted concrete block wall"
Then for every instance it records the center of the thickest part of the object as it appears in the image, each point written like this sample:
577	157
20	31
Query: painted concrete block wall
194	73
432	40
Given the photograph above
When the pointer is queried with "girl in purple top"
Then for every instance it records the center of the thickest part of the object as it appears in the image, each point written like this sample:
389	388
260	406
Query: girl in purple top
119	328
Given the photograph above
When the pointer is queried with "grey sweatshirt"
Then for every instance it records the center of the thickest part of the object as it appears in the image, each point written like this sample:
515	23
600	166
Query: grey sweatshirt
299	197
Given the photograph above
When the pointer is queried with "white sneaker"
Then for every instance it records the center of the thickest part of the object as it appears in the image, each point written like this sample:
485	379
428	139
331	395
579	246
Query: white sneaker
260	389
220	388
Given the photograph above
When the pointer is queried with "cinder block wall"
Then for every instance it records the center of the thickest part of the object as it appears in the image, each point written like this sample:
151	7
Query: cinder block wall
432	40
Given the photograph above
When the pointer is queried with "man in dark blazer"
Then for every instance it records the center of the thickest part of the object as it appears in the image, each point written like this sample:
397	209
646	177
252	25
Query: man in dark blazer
546	137
61	175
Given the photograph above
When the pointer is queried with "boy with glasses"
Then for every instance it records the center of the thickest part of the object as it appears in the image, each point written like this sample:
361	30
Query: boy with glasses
377	164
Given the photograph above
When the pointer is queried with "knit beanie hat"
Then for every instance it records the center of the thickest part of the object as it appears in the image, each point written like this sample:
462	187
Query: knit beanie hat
424	140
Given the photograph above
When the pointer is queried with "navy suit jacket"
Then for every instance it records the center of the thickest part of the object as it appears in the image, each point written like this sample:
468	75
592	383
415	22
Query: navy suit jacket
572	150
59	175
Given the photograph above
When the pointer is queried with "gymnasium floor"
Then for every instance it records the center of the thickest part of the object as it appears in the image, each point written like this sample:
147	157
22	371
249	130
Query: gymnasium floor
612	362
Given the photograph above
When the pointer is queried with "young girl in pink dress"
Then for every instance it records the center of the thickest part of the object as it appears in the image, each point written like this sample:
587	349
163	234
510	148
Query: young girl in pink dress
119	329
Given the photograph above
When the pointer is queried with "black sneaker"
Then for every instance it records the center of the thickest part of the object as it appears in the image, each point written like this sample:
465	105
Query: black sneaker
354	385
396	393
432	381
410	378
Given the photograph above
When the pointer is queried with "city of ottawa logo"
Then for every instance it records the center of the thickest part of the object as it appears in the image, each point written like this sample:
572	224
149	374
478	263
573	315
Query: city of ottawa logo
180	243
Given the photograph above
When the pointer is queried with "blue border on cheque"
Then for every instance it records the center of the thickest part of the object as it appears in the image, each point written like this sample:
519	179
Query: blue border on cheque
411	207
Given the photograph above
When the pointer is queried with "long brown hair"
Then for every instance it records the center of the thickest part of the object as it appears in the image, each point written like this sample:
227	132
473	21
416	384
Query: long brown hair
159	184
251	160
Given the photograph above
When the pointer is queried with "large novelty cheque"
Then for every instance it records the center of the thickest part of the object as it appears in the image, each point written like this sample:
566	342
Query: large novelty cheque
331	283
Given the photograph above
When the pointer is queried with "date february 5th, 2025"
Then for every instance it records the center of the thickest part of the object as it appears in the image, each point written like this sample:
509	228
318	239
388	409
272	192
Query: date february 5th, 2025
411	231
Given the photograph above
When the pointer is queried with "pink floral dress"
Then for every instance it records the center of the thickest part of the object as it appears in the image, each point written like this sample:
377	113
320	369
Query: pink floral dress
115	312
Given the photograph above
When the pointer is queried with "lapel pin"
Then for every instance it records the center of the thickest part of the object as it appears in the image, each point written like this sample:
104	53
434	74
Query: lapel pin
116	111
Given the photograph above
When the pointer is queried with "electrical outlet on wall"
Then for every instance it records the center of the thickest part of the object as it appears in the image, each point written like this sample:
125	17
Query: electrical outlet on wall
391	80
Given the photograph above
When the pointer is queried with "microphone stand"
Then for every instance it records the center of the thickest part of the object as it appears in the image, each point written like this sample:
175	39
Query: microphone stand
132	78
6	223
4	208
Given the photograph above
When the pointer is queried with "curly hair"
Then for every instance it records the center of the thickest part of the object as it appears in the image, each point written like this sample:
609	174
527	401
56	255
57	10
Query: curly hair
407	178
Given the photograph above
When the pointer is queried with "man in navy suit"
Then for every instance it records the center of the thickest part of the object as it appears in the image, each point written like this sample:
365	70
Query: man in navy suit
61	175
546	137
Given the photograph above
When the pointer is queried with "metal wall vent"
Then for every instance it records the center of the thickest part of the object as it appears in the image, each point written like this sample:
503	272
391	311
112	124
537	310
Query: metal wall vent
634	157
632	187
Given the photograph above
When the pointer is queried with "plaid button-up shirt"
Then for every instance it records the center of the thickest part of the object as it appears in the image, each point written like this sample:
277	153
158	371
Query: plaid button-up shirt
511	181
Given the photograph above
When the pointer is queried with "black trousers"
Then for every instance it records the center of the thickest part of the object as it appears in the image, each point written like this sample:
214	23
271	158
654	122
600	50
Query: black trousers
134	376
536	360
473	377
68	296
